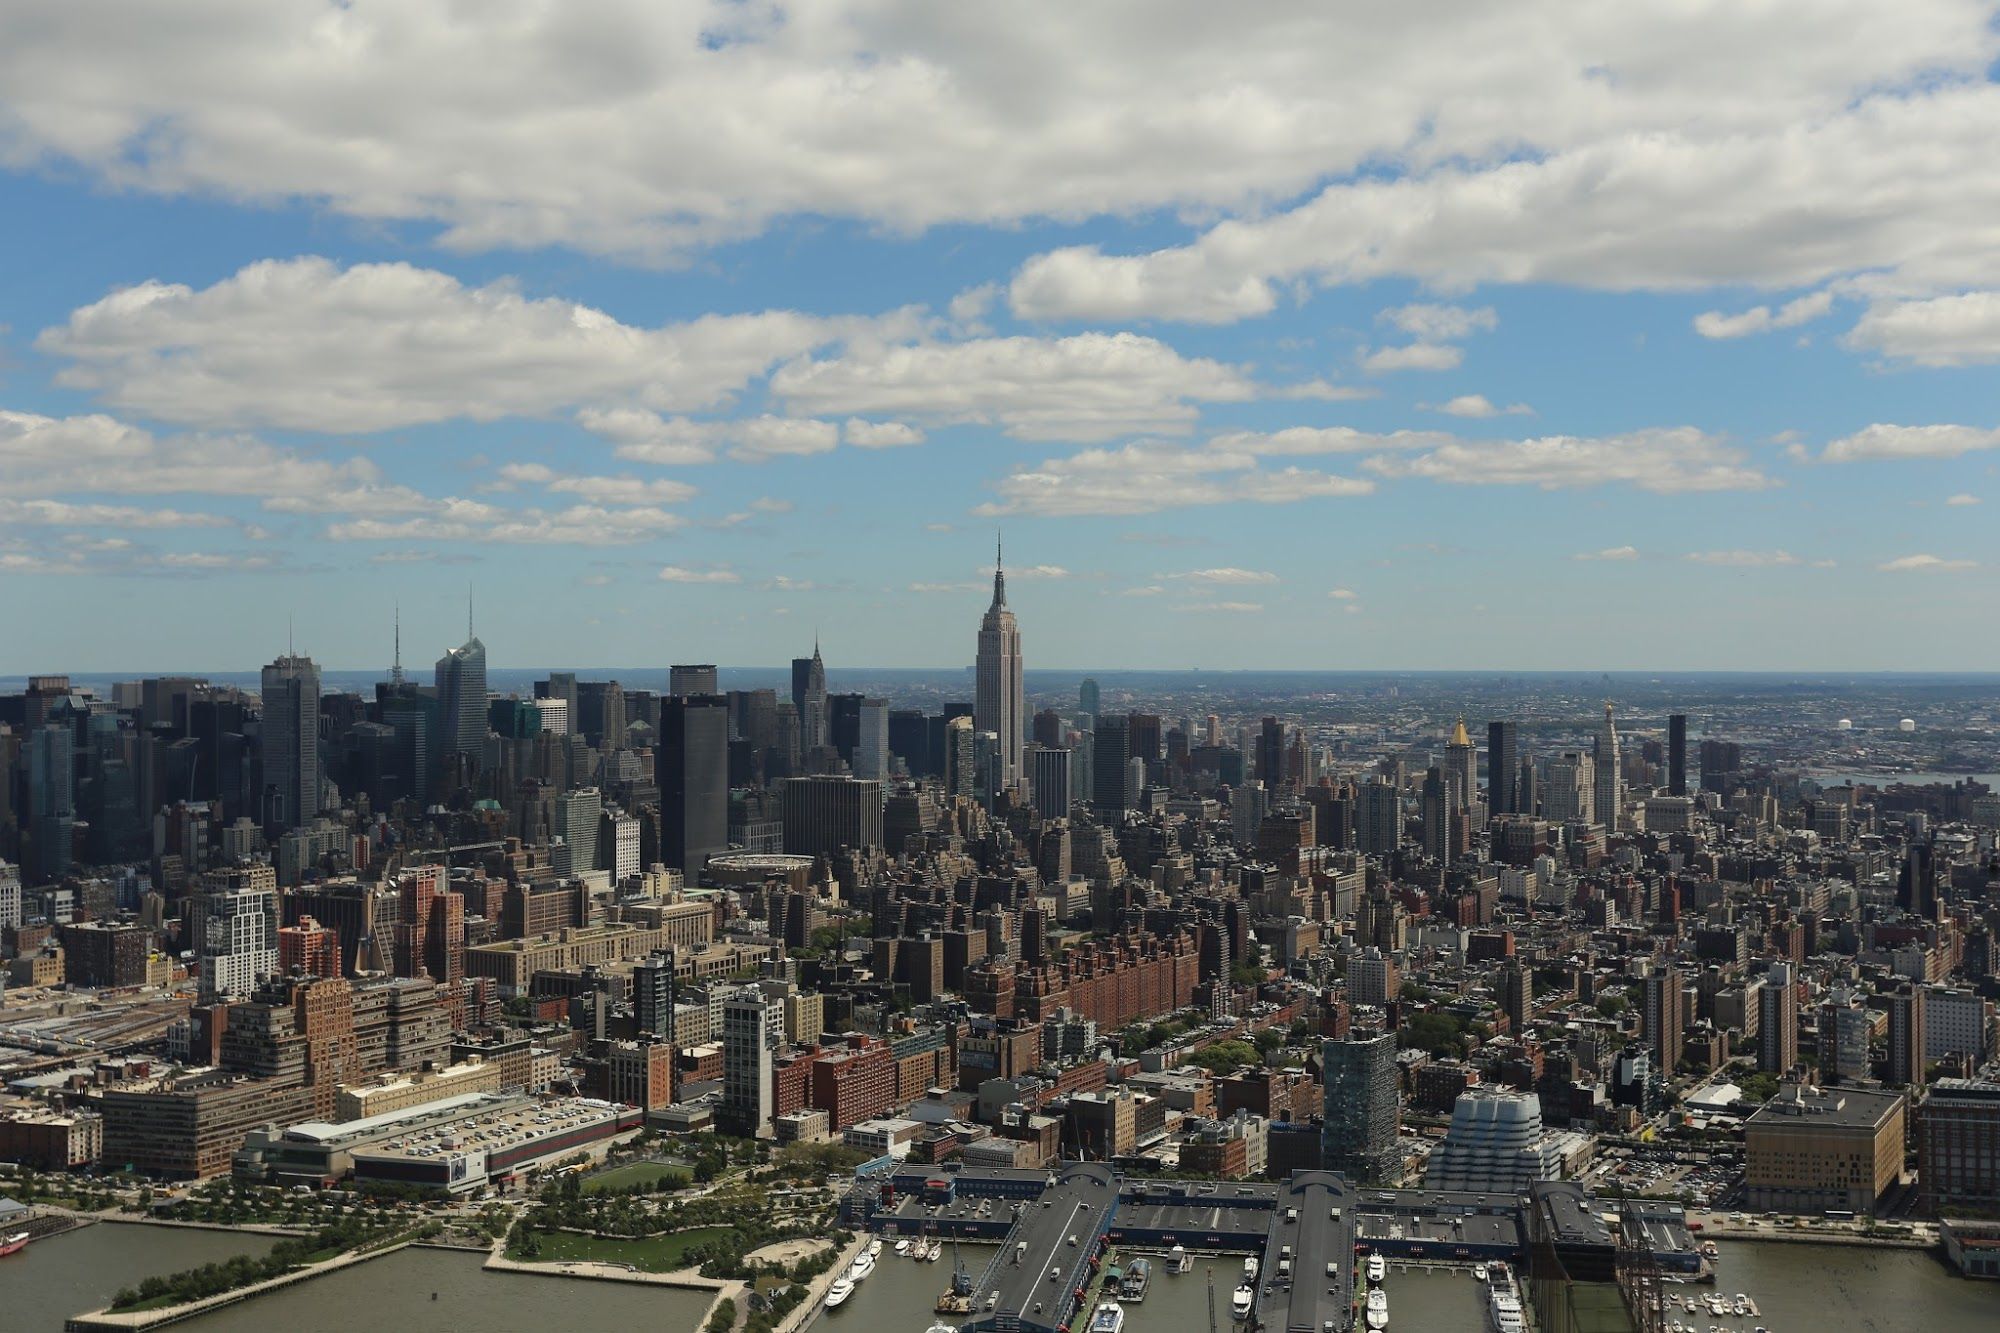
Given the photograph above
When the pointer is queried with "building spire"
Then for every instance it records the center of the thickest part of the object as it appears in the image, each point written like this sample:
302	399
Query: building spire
999	573
396	671
468	613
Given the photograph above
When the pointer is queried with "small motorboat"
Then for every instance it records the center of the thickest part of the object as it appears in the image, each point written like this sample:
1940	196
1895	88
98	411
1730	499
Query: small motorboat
13	1244
1109	1318
903	1245
875	1246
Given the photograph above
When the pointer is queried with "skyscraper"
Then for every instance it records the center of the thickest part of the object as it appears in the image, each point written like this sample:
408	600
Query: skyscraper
691	680
1664	1020
1517	994
461	692
1111	746
998	704
1363	1110
1461	768
1677	754
1609	799
809	698
1503	768
1778	1021
1906	1038
691	766
1048	774
1089	701
291	742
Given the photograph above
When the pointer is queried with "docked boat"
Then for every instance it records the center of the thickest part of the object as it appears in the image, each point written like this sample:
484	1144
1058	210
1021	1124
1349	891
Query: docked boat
863	1265
1375	1314
1178	1260
1377	1270
13	1244
1109	1318
1741	1307
1250	1269
838	1293
874	1247
1503	1300
1137	1278
939	1326
1240	1302
903	1245
936	1250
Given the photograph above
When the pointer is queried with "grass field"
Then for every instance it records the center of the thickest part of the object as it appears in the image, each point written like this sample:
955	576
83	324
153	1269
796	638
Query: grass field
636	1173
651	1254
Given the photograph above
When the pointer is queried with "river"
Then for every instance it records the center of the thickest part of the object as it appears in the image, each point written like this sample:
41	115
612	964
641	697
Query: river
81	1270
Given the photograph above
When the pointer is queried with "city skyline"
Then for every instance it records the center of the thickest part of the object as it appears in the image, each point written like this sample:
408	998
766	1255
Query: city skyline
1299	367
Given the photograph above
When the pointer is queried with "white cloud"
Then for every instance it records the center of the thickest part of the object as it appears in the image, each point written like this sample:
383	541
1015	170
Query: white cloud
1426	322
1761	319
647	437
647	129
1227	575
681	574
765	504
303	344
1477	406
1727	195
880	434
1958	330
762	438
456	520
1609	553
1926	564
1305	440
1342	594
1221	608
1664	461
1091	386
1411	356
1149	476
1035	572
1962	500
1884	441
1143	590
1743	559
622	490
99	454
59	514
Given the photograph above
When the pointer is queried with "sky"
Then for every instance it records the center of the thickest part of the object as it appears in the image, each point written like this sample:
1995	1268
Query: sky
1657	336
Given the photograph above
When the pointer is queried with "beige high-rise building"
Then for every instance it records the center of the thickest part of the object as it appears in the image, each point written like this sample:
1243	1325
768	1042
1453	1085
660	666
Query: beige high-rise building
999	704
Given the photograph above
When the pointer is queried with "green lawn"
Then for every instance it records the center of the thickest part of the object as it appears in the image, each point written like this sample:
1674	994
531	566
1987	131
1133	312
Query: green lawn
636	1173
651	1254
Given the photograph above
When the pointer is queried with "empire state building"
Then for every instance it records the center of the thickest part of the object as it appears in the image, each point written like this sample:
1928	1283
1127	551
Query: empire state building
998	703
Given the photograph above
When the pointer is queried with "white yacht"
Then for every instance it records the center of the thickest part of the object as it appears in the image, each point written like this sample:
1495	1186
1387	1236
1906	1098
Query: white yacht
874	1246
1377	1270
838	1292
1109	1318
1250	1269
1375	1313
1503	1300
1239	1304
903	1245
864	1264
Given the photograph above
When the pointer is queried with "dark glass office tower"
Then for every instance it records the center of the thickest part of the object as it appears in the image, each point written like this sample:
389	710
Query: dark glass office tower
1503	768
1110	763
1677	754
692	770
809	698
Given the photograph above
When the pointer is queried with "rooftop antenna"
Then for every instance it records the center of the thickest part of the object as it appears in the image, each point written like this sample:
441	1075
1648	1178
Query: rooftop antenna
288	634
396	671
468	613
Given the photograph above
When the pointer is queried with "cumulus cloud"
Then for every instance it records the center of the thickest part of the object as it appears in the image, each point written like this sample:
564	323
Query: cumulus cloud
59	514
304	344
682	574
99	454
641	436
1427	322
1743	559
1962	500
1411	356
647	130
1885	442
1477	406
1609	553
1959	330
1926	564
880	434
624	490
1665	461
1305	440
1149	476
1762	319
1227	575
1342	594
455	520
1091	386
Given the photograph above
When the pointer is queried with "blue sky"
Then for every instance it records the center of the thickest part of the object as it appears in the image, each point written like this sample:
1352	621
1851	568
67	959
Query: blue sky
1545	338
